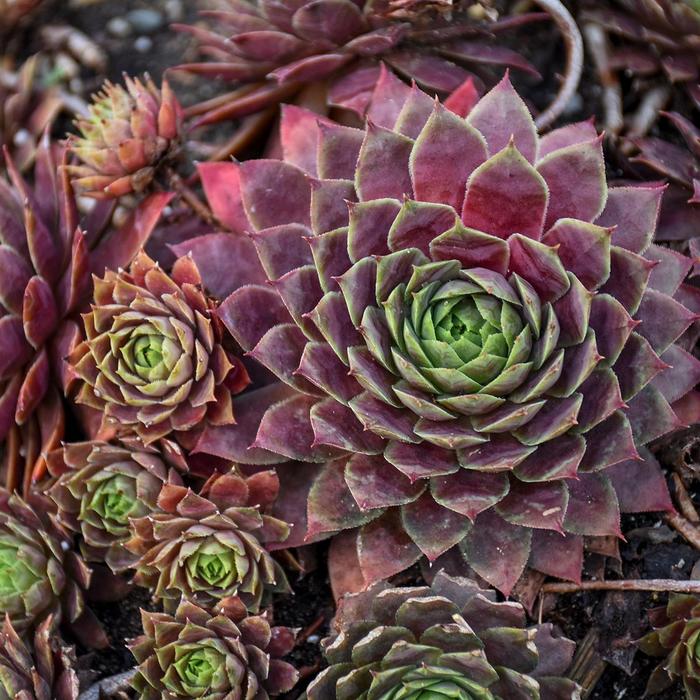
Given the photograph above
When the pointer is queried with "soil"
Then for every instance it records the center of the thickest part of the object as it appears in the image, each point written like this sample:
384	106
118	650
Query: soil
651	550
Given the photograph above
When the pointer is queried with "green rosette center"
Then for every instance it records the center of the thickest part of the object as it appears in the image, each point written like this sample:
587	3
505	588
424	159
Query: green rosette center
429	683
16	575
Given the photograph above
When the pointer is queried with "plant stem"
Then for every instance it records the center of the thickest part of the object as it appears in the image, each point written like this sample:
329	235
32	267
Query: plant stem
574	61
652	584
189	197
689	531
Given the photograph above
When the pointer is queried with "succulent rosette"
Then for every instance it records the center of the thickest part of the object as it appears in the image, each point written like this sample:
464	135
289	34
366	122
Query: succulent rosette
210	547
476	334
276	48
128	134
449	640
153	358
100	486
676	637
197	653
46	254
40	575
44	671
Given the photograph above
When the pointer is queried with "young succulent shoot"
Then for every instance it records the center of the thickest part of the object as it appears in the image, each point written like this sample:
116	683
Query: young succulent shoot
274	50
130	133
210	547
42	670
153	360
449	640
457	370
199	653
676	637
99	487
40	575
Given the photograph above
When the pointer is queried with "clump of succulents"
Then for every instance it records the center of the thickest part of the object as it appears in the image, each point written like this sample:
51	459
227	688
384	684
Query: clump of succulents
26	109
129	133
210	547
676	637
100	487
44	670
46	253
277	48
153	359
44	257
449	640
474	340
222	654
40	575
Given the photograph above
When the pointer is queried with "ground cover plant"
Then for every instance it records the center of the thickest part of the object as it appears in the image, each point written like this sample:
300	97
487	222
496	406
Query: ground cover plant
349	350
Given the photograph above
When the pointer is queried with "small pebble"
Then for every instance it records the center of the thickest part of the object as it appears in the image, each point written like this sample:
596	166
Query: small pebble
174	10
145	21
119	27
143	44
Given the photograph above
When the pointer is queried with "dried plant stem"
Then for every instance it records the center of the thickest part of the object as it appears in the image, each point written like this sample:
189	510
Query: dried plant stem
108	686
647	113
683	499
251	127
689	531
313	627
652	584
587	666
189	197
574	60
597	44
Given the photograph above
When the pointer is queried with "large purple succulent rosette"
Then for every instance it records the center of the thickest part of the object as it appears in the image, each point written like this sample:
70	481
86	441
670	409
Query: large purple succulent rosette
475	334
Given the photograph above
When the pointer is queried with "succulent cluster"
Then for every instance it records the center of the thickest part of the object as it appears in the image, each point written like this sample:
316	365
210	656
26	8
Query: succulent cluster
417	324
43	671
209	547
461	373
196	653
128	135
153	357
449	640
277	48
27	109
40	575
676	637
99	487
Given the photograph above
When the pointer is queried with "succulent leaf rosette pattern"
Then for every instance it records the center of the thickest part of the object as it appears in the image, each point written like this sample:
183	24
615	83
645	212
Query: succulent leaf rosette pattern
99	487
676	637
476	333
129	133
153	358
210	547
277	48
219	655
43	670
449	640
40	575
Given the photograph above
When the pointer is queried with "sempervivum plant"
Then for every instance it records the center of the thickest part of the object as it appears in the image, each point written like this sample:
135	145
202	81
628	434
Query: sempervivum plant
474	338
43	671
153	359
274	49
450	640
211	547
39	573
129	133
215	655
46	255
676	637
101	486
26	108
